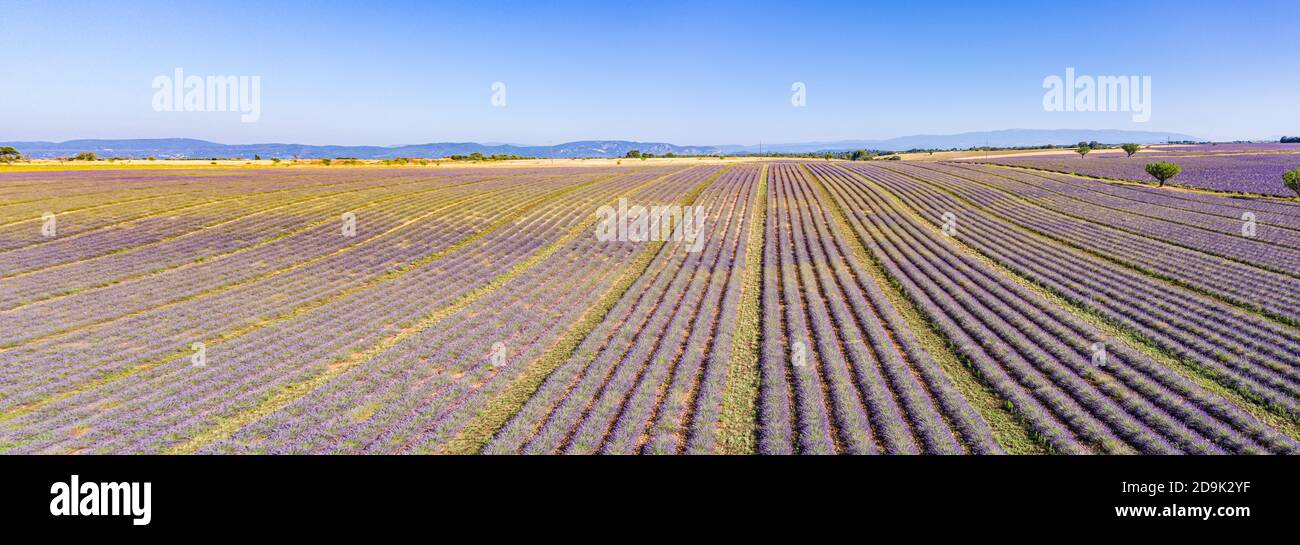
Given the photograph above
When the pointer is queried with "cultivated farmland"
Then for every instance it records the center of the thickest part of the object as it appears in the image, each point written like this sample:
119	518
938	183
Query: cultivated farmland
819	307
1234	168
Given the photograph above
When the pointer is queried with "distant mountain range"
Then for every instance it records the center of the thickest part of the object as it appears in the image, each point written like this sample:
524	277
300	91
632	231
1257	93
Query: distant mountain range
182	148
188	148
999	139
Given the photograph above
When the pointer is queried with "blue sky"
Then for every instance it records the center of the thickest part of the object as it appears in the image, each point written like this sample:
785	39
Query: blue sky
682	72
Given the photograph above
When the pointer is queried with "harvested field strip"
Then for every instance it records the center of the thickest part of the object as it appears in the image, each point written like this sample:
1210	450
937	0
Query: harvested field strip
737	424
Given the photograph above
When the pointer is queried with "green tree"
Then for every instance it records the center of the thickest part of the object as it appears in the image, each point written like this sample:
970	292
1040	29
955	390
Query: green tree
1163	171
633	154
8	154
1082	150
84	156
1130	149
1292	180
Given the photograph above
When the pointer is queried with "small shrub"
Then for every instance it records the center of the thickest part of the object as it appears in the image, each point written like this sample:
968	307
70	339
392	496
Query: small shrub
1292	180
1163	171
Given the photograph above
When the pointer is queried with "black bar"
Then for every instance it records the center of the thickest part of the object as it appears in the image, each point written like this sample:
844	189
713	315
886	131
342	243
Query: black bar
241	493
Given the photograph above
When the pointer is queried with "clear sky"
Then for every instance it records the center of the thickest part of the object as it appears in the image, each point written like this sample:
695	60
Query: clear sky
694	72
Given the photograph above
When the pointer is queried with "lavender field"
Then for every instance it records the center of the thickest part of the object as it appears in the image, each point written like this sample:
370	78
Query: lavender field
824	307
1210	149
1234	168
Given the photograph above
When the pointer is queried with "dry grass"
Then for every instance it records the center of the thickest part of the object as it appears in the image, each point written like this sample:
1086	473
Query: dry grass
43	165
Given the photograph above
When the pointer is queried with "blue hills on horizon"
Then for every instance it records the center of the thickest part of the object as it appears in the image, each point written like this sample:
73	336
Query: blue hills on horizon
189	148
